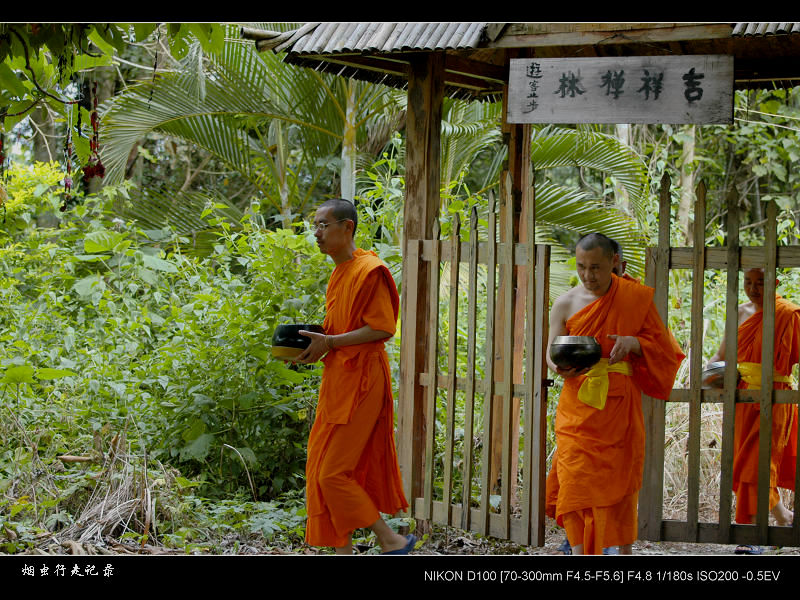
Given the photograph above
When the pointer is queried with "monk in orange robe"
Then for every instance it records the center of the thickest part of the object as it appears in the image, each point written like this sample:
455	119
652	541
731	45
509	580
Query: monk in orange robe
352	473
592	488
783	457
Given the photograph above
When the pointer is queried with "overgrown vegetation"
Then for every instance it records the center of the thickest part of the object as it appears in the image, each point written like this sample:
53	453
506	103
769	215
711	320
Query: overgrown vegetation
115	333
140	407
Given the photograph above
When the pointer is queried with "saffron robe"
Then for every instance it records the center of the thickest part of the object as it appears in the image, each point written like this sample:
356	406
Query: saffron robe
783	457
592	488
351	472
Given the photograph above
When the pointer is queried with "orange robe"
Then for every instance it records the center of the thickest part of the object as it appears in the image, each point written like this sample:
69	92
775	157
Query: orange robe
351	472
593	486
784	416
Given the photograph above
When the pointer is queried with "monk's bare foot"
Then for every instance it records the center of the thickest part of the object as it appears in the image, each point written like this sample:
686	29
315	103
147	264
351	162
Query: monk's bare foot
783	516
396	542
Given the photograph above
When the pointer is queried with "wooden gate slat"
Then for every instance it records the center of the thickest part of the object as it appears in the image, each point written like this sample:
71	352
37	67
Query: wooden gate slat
406	408
452	356
469	400
531	446
507	261
491	277
696	363
730	381
433	350
539	396
654	410
767	372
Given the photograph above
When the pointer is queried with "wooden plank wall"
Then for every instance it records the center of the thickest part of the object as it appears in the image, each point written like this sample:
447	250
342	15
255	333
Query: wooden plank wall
732	258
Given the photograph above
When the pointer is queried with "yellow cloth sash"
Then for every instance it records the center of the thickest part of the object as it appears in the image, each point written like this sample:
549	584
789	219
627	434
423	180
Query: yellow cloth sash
594	389
751	374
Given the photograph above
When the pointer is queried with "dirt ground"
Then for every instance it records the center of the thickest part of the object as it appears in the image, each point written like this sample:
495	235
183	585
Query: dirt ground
441	541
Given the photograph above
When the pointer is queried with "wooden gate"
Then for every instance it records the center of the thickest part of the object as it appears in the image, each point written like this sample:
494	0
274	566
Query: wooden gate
479	401
730	259
485	378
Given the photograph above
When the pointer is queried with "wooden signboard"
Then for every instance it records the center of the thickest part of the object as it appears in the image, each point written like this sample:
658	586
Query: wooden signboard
635	89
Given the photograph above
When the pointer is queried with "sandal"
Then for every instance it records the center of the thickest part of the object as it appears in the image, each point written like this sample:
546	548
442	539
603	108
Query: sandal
748	549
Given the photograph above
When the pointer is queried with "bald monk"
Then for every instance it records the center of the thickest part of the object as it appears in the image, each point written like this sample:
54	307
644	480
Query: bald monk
619	270
592	489
784	416
352	473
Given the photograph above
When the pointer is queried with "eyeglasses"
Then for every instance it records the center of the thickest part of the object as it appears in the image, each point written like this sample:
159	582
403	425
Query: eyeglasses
324	226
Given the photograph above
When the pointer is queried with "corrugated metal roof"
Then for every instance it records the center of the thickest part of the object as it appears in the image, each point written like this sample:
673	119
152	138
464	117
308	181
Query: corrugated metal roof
331	38
745	29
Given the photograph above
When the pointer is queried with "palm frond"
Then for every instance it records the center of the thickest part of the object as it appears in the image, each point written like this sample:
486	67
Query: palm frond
561	147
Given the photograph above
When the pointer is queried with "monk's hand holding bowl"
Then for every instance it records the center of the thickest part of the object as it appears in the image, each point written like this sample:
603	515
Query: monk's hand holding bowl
623	345
316	349
574	372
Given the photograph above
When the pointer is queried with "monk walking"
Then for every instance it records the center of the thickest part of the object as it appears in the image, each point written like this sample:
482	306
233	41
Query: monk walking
352	473
784	416
593	486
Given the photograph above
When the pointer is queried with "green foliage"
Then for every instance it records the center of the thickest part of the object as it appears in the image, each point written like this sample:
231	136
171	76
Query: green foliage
38	60
103	323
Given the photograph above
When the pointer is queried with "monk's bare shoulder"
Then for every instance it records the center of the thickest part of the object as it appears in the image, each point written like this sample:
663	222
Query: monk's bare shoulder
563	306
746	310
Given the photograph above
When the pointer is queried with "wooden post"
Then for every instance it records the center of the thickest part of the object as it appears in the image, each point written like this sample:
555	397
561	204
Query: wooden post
654	410
730	381
423	131
538	406
696	363
515	185
452	355
469	399
488	414
432	336
767	373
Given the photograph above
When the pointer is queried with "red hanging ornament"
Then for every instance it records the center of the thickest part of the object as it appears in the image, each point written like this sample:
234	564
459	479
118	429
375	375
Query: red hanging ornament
94	166
3	177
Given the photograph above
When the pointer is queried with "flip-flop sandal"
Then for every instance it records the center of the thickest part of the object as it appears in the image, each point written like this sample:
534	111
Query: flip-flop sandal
748	549
565	548
412	540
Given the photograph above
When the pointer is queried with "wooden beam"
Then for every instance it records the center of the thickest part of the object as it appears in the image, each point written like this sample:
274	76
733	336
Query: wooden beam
614	35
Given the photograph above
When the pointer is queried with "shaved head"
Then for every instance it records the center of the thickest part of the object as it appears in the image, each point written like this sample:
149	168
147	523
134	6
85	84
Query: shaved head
342	209
590	241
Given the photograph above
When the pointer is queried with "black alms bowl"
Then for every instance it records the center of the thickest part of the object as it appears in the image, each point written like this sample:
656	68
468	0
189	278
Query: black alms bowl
714	375
575	351
287	341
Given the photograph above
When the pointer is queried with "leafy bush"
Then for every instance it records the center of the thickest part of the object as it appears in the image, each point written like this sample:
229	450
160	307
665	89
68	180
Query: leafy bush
107	327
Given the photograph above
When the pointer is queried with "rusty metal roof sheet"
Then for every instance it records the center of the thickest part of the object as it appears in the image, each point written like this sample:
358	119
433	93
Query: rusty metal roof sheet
331	38
745	29
474	63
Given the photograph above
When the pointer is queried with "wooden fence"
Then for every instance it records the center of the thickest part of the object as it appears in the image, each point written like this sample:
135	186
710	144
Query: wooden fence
485	367
732	258
463	485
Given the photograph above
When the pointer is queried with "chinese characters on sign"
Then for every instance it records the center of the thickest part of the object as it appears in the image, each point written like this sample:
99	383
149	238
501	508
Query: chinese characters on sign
652	89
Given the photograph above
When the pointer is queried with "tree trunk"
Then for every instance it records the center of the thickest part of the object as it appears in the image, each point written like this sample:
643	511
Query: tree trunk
45	149
348	173
623	133
45	144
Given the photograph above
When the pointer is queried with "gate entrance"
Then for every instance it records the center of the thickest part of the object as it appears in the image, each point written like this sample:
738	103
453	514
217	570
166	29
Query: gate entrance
486	381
